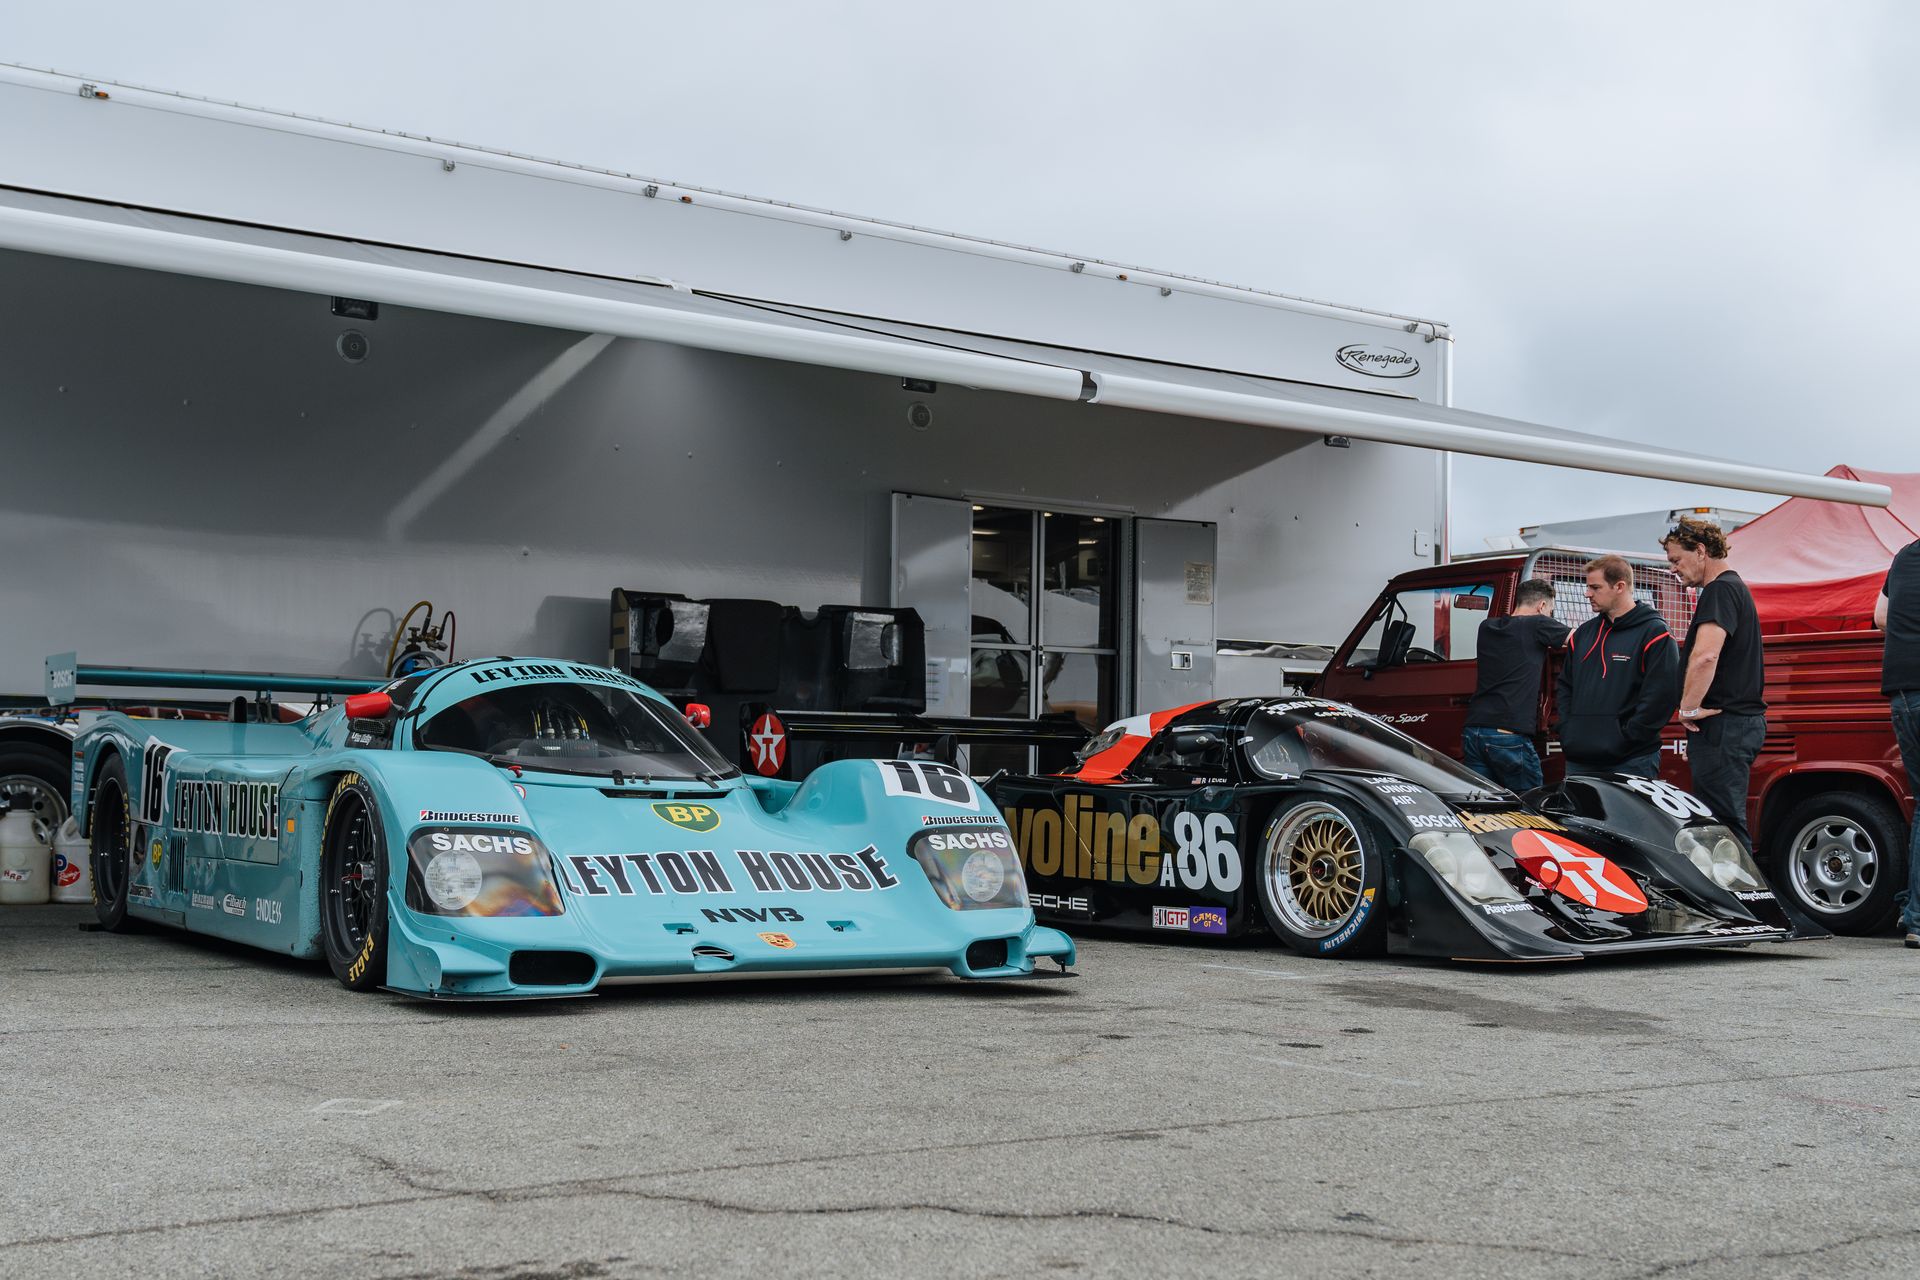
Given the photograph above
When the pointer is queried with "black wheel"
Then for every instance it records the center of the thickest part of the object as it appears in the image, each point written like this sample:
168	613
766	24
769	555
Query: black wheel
1320	879
1841	858
112	843
33	776
353	887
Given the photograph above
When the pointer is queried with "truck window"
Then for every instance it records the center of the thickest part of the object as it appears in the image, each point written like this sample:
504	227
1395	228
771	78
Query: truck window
1426	624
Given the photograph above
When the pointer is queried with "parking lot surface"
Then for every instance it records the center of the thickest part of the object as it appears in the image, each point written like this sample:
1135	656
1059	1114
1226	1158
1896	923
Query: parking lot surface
182	1107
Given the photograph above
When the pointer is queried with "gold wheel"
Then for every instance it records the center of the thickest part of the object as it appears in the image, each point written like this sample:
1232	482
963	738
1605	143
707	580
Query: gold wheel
1315	870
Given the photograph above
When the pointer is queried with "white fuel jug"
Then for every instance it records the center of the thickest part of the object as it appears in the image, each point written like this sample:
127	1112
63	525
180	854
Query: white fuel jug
72	865
24	861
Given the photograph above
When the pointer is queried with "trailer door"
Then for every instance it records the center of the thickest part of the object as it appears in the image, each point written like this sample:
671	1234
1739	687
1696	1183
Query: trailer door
932	568
1173	620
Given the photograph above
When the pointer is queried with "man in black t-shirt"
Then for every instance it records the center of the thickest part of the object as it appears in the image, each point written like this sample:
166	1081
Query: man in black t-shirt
1722	702
1897	612
1504	715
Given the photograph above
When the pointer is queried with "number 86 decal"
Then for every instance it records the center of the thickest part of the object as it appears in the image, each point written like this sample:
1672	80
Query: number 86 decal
1670	799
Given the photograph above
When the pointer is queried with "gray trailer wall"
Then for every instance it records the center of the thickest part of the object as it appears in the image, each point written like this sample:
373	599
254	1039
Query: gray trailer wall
193	476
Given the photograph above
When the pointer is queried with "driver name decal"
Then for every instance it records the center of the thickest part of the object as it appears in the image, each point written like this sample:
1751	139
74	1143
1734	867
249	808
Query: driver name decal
1482	823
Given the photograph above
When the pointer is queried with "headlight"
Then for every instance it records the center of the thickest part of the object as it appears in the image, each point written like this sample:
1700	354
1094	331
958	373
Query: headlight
452	880
1458	859
477	871
1719	855
971	868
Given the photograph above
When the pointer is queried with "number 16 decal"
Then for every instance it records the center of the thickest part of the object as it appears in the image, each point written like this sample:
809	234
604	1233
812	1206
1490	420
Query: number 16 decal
926	780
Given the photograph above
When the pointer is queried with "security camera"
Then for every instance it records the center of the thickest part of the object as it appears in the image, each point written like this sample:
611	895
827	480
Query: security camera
353	346
919	417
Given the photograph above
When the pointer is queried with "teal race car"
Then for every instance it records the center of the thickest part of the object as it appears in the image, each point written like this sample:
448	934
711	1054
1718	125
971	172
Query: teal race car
527	827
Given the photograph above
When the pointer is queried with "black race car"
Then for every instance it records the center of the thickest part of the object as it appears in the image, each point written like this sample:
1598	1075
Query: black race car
1346	837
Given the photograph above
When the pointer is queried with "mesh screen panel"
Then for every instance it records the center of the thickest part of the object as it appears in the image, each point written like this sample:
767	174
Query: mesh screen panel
1653	584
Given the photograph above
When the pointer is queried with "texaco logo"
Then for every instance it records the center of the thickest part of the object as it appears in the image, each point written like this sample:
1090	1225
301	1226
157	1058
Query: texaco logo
767	745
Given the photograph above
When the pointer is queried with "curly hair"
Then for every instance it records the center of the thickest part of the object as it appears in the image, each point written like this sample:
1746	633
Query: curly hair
1698	535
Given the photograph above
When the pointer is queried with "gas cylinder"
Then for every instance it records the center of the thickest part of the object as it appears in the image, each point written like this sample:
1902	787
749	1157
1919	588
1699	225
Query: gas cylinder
24	861
72	865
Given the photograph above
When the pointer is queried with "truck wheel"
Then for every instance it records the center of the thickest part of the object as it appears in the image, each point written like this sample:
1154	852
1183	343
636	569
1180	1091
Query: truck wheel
112	844
1841	857
1319	880
353	887
34	777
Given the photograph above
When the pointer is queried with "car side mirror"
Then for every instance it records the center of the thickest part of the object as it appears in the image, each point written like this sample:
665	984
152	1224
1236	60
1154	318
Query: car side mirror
699	714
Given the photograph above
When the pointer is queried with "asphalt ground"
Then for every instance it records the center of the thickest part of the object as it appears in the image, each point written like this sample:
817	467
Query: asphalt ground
179	1107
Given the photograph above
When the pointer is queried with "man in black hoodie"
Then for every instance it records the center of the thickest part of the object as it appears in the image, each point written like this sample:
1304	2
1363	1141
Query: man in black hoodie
1620	682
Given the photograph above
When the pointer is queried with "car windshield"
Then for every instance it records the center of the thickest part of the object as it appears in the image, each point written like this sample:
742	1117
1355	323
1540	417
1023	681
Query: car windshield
1286	739
575	728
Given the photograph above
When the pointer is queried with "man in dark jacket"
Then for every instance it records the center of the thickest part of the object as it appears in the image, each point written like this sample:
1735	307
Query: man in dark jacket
1620	682
1897	612
1504	715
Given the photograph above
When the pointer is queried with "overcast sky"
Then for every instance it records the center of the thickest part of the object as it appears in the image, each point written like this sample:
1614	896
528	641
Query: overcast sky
1685	223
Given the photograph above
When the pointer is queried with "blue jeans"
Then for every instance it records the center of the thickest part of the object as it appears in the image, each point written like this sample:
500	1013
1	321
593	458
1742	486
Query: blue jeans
1906	728
1646	766
1508	758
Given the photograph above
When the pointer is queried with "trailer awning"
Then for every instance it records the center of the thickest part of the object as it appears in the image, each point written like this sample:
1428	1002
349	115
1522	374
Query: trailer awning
667	312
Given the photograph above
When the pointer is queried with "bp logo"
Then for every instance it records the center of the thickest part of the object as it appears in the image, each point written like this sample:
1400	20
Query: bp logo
694	817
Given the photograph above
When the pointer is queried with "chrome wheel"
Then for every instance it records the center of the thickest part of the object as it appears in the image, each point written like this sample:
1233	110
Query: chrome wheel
1834	864
35	796
1315	869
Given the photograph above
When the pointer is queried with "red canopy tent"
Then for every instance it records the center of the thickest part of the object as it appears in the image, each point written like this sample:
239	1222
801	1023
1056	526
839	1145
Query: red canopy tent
1818	566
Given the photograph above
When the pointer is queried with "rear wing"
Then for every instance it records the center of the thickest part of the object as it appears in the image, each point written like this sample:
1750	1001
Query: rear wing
765	734
65	675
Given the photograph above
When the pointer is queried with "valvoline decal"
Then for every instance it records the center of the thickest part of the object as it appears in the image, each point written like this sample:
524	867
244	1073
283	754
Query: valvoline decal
66	872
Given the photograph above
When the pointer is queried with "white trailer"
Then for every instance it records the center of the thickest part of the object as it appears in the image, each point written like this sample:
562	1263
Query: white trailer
270	379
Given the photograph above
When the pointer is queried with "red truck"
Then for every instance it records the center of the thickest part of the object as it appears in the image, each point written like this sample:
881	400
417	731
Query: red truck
1829	805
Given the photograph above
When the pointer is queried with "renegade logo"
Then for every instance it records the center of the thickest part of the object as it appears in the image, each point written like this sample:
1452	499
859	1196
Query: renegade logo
1482	823
694	817
1079	844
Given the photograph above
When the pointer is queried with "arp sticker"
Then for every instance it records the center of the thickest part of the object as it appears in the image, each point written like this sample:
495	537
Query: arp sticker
694	817
1578	873
781	940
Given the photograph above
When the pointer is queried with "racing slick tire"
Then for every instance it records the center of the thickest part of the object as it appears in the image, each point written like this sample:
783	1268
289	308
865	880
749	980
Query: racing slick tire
111	844
1840	858
1319	879
36	774
353	886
